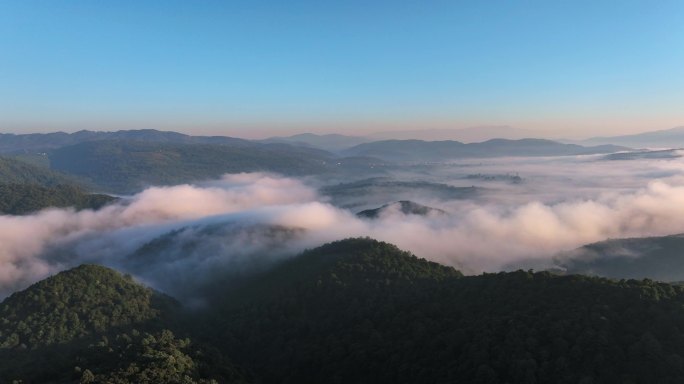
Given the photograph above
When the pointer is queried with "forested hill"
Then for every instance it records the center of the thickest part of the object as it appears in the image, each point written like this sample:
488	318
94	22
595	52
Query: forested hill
26	188
373	314
353	311
75	304
658	258
128	166
44	142
14	171
94	325
20	199
405	207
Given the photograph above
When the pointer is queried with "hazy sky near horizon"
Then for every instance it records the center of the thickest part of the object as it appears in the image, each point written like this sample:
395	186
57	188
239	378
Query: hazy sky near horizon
253	68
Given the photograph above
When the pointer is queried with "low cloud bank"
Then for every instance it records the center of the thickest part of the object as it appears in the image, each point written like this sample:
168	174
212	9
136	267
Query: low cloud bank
174	237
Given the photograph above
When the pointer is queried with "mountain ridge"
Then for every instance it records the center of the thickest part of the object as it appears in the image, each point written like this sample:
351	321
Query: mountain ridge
420	150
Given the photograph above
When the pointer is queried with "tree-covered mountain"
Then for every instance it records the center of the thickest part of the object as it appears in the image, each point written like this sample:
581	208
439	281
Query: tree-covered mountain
26	188
127	166
419	150
405	207
658	258
376	191
13	171
94	325
45	142
357	311
20	199
328	142
74	304
365	312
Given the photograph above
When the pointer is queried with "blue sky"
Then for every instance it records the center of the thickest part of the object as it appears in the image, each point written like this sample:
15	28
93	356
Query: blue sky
569	68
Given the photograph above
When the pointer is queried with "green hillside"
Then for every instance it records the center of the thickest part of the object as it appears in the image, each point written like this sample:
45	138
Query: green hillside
128	166
352	311
26	188
13	171
364	312
92	324
19	199
74	304
658	258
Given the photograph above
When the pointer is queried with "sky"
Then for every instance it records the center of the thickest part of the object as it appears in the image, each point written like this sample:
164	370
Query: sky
257	68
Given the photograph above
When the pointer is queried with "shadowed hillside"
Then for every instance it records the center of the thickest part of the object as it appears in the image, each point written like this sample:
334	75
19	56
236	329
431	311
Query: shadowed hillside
356	311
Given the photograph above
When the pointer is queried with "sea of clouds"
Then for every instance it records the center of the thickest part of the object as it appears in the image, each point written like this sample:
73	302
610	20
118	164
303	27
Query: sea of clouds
245	221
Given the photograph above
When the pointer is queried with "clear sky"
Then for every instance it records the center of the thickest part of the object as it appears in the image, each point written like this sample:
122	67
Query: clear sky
569	68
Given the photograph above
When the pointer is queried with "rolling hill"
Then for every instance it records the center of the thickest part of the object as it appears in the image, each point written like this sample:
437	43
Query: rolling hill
405	207
328	142
128	166
365	312
659	258
44	142
419	151
466	135
21	199
666	138
91	324
376	191
13	171
26	188
356	310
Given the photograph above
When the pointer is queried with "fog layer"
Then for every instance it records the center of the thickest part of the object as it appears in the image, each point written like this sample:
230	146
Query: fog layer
175	237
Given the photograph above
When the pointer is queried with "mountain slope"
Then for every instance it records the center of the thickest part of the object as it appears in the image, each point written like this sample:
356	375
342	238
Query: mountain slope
376	191
74	304
404	206
127	166
91	324
356	310
418	150
25	188
659	258
362	311
20	199
14	171
328	142
44	142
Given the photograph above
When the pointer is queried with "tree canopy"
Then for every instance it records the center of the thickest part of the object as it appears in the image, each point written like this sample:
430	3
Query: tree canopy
355	310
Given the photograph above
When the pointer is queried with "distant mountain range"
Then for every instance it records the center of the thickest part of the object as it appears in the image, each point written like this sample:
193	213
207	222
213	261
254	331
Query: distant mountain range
337	142
667	138
127	161
418	150
128	166
467	135
328	142
43	142
645	154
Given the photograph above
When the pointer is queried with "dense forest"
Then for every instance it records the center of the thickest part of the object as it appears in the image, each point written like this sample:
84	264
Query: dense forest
16	171
94	325
355	310
19	199
26	187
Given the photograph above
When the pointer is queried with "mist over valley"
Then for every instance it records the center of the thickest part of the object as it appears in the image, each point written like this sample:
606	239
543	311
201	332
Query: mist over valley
313	192
225	246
